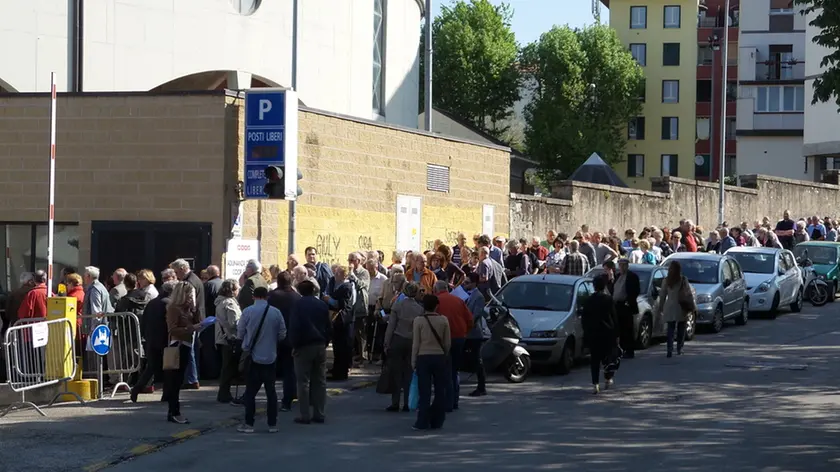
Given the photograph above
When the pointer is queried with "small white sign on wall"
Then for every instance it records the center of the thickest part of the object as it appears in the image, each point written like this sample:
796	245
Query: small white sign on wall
488	220
239	252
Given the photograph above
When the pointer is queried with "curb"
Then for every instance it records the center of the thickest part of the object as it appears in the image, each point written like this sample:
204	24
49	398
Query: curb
187	434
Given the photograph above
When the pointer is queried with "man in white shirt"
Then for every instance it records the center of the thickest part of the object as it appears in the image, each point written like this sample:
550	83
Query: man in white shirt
374	327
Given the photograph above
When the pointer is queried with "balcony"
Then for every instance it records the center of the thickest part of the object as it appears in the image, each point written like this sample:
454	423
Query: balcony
778	121
780	71
713	21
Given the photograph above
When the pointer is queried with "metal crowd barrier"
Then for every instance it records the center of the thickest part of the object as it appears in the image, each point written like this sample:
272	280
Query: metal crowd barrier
39	354
126	350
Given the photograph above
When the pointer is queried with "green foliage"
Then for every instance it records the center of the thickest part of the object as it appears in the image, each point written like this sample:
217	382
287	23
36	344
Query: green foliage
827	19
475	74
569	119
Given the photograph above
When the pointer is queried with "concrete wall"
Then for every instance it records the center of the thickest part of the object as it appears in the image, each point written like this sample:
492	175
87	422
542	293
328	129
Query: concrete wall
603	207
119	158
137	45
353	172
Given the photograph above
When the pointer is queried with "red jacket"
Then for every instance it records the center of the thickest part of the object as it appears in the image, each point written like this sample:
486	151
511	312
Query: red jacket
456	311
79	294
34	305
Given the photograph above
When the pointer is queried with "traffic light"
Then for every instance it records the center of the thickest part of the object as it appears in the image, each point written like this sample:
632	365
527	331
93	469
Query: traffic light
275	187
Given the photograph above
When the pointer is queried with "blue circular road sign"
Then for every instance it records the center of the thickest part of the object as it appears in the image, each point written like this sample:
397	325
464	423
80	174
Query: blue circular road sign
100	340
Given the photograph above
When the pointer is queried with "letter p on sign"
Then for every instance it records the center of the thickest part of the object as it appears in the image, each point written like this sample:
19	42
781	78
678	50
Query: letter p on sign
265	107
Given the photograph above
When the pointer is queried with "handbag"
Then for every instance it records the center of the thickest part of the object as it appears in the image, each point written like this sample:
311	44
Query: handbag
245	360
686	299
172	356
384	385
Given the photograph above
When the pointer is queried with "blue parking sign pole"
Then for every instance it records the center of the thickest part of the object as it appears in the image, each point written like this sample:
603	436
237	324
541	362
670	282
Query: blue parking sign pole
271	128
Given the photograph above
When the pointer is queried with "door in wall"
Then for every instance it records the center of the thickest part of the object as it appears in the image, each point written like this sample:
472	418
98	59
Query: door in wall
409	215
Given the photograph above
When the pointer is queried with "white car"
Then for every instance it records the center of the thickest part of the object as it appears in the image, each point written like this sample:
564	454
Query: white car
773	278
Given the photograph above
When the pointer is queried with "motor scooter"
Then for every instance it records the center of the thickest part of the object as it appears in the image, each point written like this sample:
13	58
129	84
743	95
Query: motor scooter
502	351
816	290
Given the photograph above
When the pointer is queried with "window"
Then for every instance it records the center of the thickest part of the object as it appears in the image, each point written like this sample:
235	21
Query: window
642	90
702	166
790	98
378	57
704	91
639	53
730	168
781	20
437	178
731	91
670	91
27	245
636	128
246	7
703	131
670	128
671	54
636	165
669	165
704	55
638	17
672	16
731	127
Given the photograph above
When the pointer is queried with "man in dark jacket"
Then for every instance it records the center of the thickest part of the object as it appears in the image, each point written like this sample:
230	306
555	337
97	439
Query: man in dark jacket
600	331
322	270
341	300
310	331
211	289
155	335
626	291
284	298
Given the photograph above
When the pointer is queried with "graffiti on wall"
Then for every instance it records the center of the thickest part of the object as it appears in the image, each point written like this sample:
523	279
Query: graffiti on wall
450	238
330	249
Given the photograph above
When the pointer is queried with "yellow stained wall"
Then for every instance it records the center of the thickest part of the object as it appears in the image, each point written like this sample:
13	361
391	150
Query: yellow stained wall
353	173
654	36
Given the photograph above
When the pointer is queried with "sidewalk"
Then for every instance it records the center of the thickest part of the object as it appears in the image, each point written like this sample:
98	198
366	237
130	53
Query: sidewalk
93	436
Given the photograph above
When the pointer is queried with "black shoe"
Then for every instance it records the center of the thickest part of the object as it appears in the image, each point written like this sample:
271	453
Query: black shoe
318	420
285	408
629	355
224	400
478	393
133	395
302	421
237	402
177	419
405	409
669	355
679	352
393	408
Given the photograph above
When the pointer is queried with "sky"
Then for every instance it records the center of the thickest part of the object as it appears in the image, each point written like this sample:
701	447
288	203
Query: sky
531	18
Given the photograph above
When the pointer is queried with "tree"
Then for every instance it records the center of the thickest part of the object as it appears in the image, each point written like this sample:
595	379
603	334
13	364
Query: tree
827	20
475	74
586	88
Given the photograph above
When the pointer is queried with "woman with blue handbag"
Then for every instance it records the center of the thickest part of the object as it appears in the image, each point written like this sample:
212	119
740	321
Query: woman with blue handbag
430	360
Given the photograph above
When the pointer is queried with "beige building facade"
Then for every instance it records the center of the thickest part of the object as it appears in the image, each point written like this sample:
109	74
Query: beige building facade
142	179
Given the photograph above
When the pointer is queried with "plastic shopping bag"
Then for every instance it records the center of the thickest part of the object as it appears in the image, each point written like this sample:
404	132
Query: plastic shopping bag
413	393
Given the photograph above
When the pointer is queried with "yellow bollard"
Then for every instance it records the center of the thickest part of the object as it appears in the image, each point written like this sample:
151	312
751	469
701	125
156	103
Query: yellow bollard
59	354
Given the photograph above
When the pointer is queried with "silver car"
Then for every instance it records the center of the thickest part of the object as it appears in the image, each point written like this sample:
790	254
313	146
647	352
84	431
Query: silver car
547	308
646	323
719	285
773	278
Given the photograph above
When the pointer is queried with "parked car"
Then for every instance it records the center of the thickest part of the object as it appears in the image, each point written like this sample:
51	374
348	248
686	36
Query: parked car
648	325
773	278
719	286
825	255
547	308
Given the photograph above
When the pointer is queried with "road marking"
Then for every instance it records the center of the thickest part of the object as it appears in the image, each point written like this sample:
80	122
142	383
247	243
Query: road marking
142	449
187	433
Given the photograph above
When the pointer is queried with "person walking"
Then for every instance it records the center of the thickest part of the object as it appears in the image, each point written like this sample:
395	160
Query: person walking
626	291
310	331
155	335
429	357
675	303
227	313
398	343
260	328
600	331
182	321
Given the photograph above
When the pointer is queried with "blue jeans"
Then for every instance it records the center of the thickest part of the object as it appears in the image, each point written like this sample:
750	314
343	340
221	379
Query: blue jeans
432	370
456	356
191	374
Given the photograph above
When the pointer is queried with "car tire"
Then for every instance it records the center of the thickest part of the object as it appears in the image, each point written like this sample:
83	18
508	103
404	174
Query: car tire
796	306
567	358
774	308
643	340
691	326
717	321
744	316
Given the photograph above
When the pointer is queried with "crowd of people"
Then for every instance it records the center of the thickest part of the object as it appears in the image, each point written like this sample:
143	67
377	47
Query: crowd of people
418	313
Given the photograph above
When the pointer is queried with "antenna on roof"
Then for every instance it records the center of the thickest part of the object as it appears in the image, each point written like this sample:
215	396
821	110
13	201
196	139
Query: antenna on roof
596	10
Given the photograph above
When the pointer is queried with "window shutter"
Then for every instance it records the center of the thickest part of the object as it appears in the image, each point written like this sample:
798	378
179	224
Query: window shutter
437	178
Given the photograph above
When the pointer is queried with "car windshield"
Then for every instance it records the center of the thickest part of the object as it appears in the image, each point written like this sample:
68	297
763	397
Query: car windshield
700	271
755	262
537	295
644	276
817	254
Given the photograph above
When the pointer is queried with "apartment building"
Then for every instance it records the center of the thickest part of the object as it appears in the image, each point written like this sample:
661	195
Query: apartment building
662	36
771	97
821	141
713	50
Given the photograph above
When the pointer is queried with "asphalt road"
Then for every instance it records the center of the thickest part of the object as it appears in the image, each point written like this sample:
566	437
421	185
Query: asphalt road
757	398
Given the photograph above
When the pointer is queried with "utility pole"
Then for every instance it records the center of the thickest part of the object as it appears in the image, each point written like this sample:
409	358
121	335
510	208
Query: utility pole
724	87
427	86
293	202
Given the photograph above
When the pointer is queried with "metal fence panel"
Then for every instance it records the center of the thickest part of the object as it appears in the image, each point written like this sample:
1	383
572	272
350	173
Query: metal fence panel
126	351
